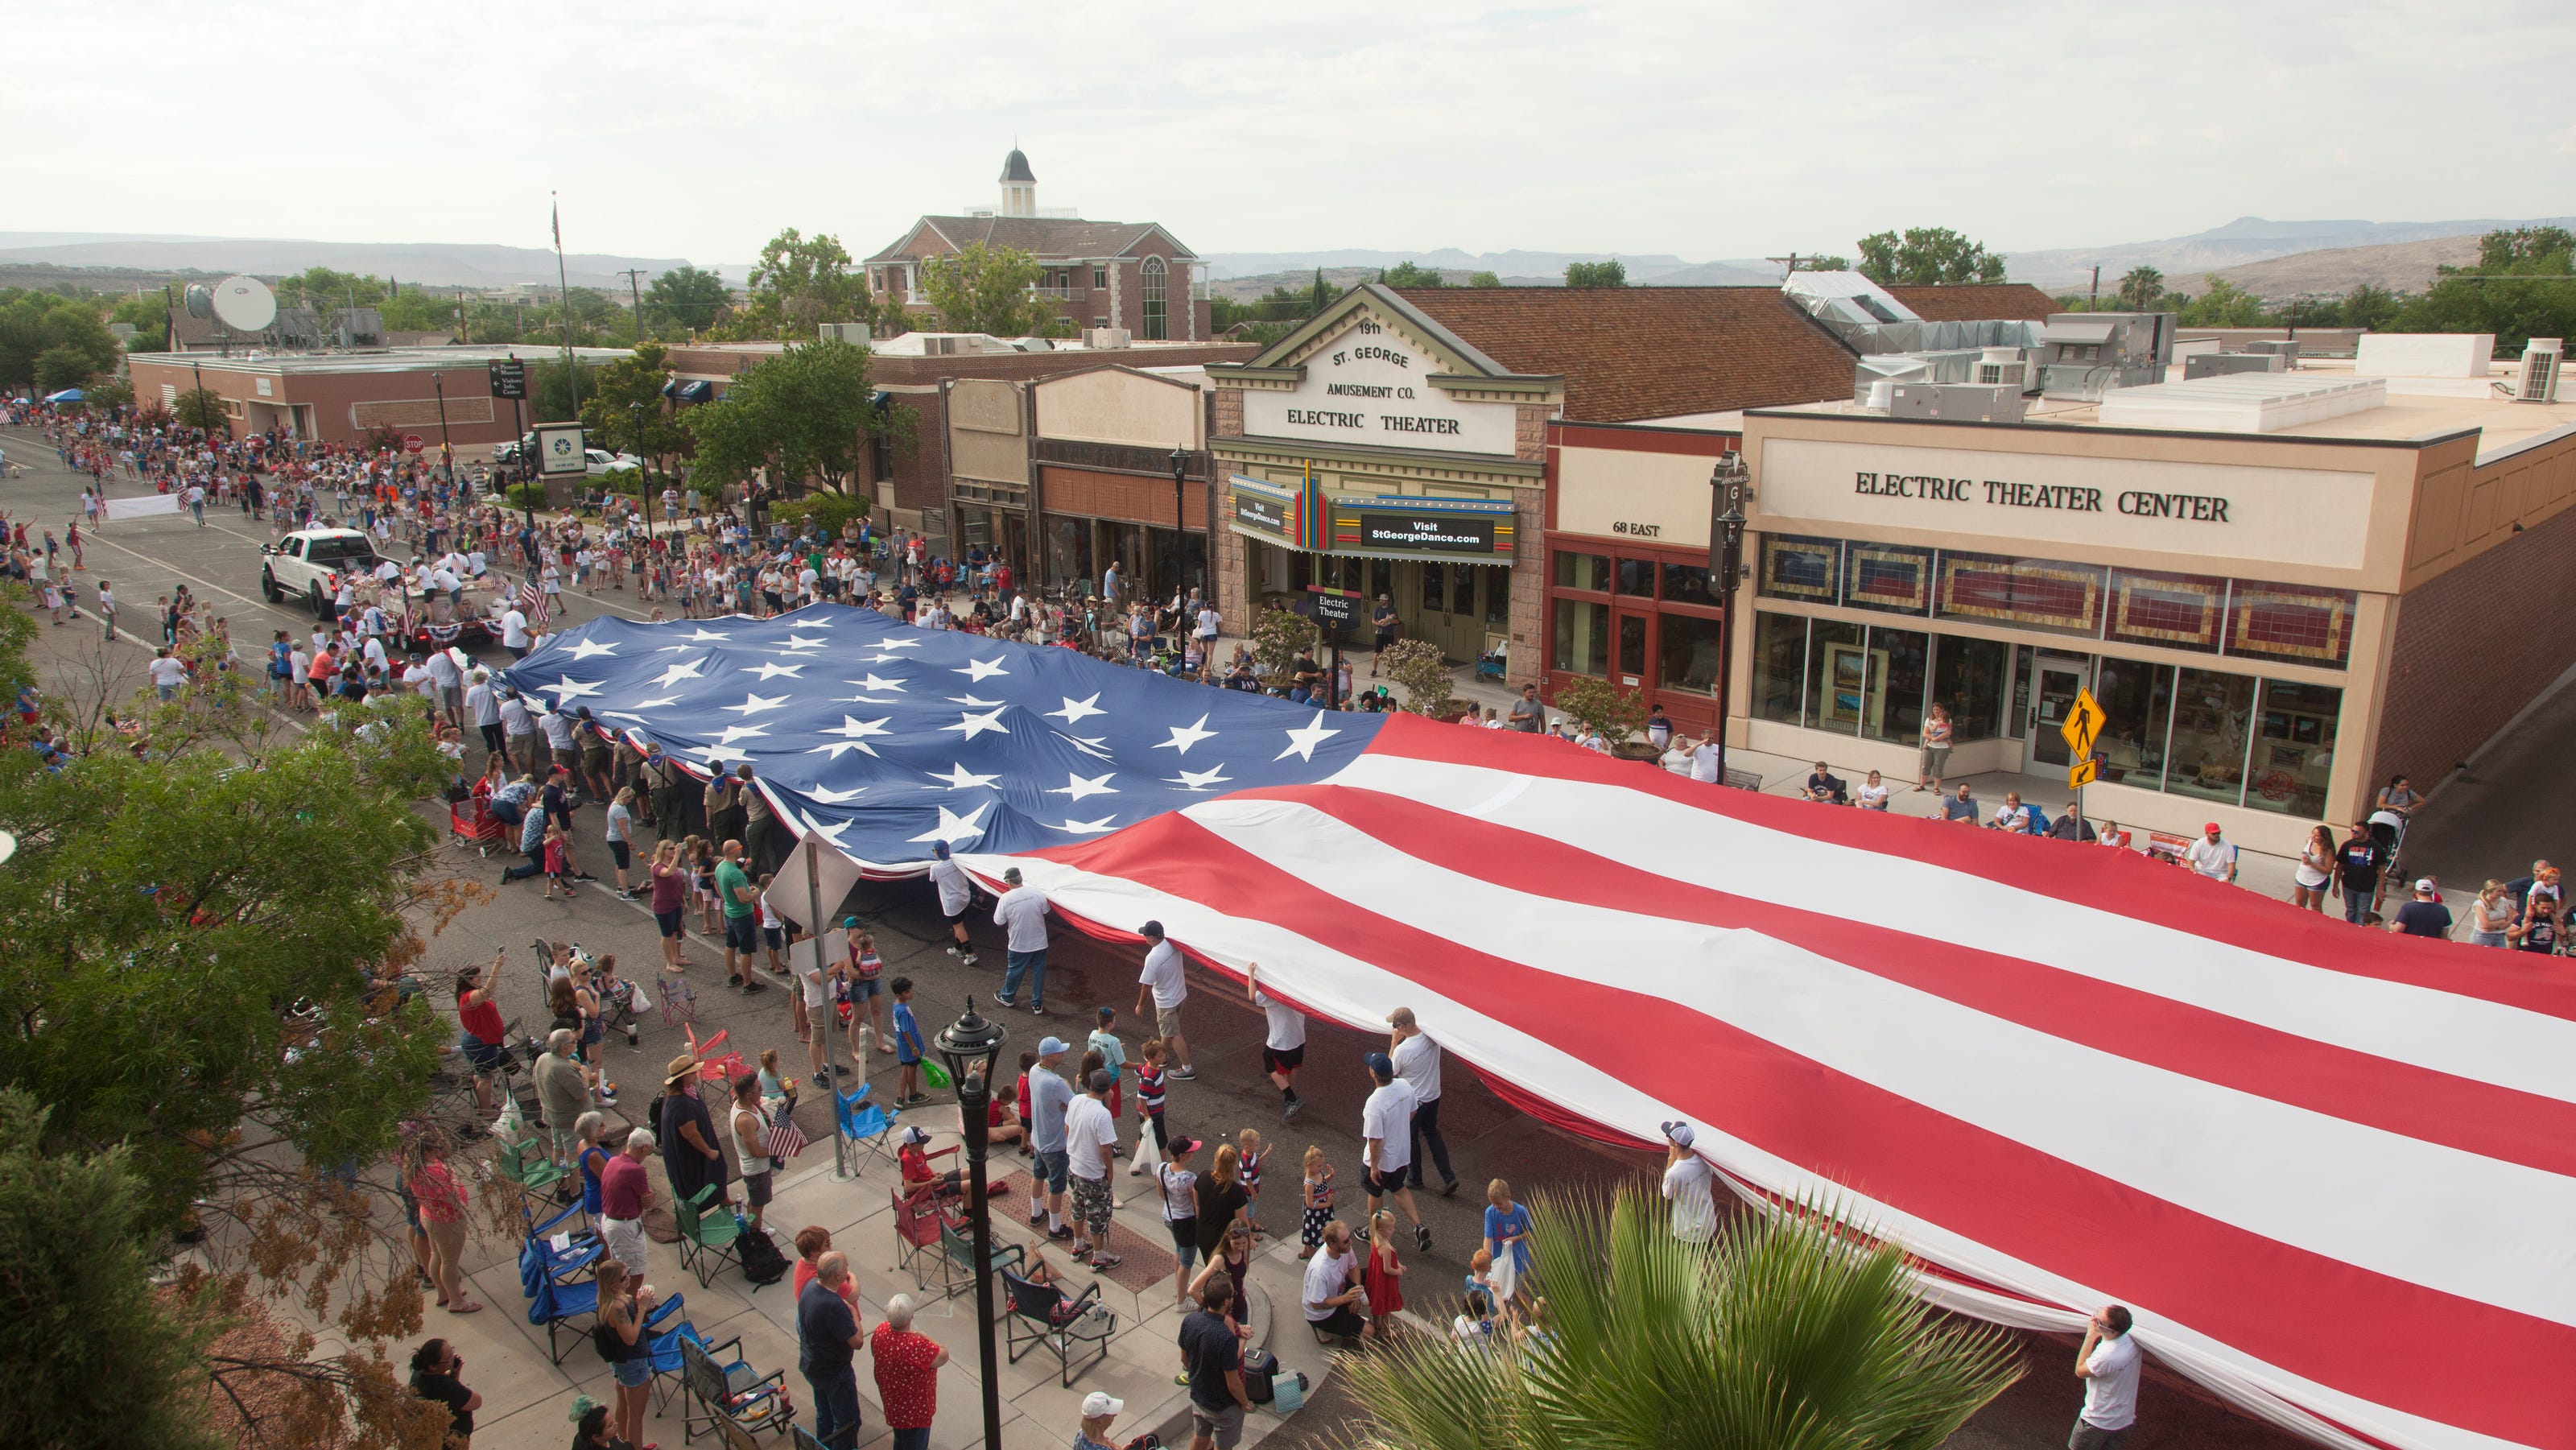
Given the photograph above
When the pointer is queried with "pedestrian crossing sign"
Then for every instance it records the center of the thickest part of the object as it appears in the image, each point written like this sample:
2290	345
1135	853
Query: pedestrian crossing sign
2083	725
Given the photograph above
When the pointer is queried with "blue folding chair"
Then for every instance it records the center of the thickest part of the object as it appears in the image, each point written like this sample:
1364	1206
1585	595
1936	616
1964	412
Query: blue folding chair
540	1260
659	1345
862	1124
554	1303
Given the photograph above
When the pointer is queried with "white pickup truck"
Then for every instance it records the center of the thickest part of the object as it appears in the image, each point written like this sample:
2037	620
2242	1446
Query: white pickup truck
310	562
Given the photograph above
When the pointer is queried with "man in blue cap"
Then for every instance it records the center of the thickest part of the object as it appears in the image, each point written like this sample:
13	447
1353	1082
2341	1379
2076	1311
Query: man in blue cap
1049	1096
1386	1123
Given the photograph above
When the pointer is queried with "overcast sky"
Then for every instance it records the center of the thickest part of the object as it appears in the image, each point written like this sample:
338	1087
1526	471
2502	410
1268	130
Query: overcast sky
1703	130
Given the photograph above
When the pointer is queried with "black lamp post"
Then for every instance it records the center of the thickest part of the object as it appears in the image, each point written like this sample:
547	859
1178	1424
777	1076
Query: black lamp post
1729	484
446	452
1180	518
969	1046
643	475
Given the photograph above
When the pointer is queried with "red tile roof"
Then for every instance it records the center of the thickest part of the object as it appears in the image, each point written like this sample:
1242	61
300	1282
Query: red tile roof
1649	352
1978	302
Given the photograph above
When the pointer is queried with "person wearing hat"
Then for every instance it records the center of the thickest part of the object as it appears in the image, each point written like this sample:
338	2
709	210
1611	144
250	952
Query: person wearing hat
690	1157
1162	983
1686	1185
1050	1097
1386	1124
912	1160
2211	856
1021	913
2425	915
956	893
1091	1149
1098	1410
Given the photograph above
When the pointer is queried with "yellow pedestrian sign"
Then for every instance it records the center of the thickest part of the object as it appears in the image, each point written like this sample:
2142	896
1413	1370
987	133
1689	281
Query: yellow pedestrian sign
2082	773
2083	725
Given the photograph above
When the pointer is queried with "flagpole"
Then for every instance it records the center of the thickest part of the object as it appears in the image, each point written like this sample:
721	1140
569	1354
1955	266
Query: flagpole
563	300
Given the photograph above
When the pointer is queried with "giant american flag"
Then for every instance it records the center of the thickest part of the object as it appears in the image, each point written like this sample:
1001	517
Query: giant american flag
2330	1171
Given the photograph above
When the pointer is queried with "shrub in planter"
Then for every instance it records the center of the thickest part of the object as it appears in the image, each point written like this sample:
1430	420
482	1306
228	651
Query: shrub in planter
826	511
1418	669
1618	714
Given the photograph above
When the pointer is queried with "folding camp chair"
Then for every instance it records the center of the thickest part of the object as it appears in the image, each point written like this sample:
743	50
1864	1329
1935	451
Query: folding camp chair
706	1238
1044	1316
729	1392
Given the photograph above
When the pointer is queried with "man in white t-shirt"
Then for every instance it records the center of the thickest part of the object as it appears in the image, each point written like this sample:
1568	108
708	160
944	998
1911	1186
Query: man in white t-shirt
514	632
167	673
1686	1185
1703	761
2109	1365
956	893
1417	1064
1090	1145
448	676
1162	983
815	974
1283	1044
2213	857
1333	1290
1386	1122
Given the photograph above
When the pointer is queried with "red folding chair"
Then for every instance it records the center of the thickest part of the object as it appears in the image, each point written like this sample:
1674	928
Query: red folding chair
724	1067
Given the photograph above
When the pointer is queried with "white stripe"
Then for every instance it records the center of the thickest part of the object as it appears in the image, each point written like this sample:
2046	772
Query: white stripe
1358	994
2445	1032
2417	1211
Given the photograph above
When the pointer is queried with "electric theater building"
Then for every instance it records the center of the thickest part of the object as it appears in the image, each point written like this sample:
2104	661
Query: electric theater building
2279	600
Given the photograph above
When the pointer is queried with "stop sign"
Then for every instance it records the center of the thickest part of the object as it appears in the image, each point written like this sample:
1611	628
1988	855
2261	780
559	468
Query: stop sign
412	443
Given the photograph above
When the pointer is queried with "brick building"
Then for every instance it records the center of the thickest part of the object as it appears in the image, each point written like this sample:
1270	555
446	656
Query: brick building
435	392
2281	587
1130	275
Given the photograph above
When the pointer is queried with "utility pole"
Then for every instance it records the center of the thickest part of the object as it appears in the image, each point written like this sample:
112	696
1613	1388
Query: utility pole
2095	305
634	290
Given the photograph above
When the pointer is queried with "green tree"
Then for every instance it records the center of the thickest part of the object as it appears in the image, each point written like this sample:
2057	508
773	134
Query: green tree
805	416
2526	250
113	391
1820	262
550	385
1418	669
1612	273
148	314
97	1356
2371	306
989	289
2142	288
610	395
200	408
1599	705
322	288
1925	257
2224	305
1408	274
1484	279
1277	635
2514	291
800	283
687	297
1786	1333
34	325
1321	295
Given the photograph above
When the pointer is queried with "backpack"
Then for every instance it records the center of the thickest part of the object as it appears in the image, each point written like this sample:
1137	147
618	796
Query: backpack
762	1263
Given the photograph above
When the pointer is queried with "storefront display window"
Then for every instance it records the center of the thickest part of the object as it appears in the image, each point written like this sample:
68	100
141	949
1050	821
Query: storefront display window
1583	571
1637	576
1794	568
2175	611
2291	624
2213	714
1498	596
1688	584
1687	654
1968	676
1898	662
2294	748
1434	589
2137	706
1837	693
1779	665
1887	576
1462	587
1582	637
2042	594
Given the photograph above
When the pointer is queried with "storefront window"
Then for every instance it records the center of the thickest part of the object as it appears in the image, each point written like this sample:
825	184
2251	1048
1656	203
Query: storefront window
1794	568
1462	588
2045	594
1498	596
1889	577
1897	662
1583	571
1779	664
2172	611
1687	655
1837	677
1434	589
2288	623
1968	677
1068	553
1632	650
1381	578
2137	705
2212	715
1688	584
2294	748
1582	637
1637	576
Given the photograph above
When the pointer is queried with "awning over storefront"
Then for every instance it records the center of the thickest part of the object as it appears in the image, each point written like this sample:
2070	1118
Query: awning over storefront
690	390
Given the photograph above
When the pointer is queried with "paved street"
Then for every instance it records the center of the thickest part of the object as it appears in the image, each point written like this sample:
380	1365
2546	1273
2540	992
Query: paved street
1486	1137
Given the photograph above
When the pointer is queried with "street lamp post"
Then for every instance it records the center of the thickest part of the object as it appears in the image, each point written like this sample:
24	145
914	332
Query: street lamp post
969	1046
643	476
1729	484
446	450
1180	518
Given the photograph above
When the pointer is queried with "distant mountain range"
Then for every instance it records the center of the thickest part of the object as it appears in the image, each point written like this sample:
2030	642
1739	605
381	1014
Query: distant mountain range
1541	268
2244	240
438	264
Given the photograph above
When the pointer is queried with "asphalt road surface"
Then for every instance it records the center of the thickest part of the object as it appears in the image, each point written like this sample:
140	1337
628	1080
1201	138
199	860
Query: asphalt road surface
1487	1138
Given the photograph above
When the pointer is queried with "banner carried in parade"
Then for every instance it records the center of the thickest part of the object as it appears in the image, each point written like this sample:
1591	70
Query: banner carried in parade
2327	1169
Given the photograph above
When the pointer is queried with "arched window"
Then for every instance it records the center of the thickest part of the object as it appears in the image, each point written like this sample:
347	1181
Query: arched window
1154	299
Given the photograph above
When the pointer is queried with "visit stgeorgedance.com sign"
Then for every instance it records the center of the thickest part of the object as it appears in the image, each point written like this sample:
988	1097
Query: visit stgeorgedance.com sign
1425	532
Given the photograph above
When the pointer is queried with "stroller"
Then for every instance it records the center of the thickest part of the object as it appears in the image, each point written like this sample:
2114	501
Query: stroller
1491	664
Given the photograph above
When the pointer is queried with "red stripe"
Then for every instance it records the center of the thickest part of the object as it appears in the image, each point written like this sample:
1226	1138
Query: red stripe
2123	883
2396	1097
2427	1353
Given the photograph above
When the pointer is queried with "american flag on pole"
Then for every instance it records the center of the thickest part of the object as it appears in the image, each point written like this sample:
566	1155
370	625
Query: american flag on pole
2329	1170
532	603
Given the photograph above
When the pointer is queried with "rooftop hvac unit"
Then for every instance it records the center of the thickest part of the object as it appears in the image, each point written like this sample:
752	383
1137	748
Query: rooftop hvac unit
1105	337
1972	402
2286	347
2540	359
2001	366
2222	364
854	333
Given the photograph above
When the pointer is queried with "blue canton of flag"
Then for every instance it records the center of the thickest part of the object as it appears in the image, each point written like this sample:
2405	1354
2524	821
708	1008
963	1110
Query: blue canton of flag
885	738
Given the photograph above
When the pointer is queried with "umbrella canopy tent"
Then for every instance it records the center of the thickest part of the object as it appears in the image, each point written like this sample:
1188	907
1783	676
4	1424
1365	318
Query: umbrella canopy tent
67	395
2327	1169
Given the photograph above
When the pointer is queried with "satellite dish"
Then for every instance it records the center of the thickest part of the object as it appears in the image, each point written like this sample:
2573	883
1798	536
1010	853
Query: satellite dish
201	301
245	304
